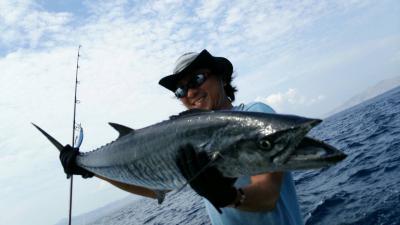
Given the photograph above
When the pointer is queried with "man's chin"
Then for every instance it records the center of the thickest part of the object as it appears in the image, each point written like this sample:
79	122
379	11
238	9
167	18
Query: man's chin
203	105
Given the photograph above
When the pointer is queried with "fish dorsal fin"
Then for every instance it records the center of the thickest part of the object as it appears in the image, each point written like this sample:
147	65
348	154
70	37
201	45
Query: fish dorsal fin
189	112
122	130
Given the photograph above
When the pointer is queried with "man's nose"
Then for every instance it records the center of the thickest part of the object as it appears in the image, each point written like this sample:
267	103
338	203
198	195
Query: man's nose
192	92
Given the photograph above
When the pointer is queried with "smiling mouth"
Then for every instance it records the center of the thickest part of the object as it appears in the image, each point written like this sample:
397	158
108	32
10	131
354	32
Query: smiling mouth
199	100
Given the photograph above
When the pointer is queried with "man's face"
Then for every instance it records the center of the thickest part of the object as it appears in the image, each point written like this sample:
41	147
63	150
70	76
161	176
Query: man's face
210	95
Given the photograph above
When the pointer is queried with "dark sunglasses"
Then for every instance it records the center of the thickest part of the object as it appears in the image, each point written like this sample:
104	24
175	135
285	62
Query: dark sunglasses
194	82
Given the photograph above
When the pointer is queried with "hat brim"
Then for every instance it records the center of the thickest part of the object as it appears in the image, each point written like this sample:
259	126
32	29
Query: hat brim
204	60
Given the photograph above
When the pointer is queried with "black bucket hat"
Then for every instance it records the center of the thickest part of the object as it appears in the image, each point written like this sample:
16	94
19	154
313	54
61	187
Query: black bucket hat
191	61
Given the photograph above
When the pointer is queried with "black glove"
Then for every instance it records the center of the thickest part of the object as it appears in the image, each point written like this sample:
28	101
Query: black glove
68	161
210	184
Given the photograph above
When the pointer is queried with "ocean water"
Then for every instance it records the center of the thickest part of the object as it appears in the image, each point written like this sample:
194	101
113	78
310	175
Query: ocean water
362	189
365	187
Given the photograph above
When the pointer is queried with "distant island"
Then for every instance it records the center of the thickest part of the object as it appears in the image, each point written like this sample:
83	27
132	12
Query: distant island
380	88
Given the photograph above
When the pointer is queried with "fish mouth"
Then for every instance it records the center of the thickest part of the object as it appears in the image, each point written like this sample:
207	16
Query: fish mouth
312	153
287	140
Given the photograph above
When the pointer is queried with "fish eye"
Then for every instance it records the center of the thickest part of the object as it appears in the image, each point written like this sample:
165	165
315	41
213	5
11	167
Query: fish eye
265	144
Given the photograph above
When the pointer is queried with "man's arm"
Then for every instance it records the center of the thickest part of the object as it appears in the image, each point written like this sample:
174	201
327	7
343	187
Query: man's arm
263	192
68	161
260	195
138	190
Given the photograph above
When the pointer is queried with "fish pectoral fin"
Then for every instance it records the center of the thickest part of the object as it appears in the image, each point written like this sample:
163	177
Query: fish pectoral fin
160	195
122	130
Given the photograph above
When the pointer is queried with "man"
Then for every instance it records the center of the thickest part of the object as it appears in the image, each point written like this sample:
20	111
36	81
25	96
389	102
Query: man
203	82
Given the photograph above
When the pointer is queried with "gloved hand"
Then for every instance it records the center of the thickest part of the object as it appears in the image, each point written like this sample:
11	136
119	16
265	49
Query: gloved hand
210	184
68	161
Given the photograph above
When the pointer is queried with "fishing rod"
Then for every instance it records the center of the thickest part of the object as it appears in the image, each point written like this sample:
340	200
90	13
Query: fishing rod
74	127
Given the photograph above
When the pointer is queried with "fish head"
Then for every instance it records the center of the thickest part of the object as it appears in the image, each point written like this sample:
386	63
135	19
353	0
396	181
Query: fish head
288	148
267	143
311	153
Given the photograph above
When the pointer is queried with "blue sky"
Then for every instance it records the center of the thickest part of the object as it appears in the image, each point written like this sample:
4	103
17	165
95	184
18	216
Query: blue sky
301	57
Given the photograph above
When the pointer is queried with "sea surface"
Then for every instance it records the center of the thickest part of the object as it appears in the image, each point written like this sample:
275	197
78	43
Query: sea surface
362	189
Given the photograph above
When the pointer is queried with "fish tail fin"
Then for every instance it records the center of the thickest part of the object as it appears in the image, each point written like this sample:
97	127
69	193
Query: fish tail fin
57	144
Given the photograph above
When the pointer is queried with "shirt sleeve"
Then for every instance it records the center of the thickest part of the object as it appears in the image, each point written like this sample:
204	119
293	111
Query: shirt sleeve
259	107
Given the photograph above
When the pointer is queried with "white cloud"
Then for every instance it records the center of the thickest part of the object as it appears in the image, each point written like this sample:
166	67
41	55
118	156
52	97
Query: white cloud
289	101
233	16
209	9
24	23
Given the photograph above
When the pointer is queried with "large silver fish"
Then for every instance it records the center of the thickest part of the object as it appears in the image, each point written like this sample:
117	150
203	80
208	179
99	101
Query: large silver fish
238	143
